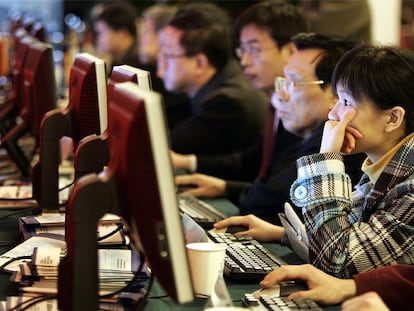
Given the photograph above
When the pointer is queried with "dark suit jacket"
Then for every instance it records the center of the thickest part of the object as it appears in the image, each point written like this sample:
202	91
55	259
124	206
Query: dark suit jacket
266	199
227	115
244	165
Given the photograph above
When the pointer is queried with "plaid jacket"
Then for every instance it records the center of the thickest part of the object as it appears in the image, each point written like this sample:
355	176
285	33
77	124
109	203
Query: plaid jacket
351	232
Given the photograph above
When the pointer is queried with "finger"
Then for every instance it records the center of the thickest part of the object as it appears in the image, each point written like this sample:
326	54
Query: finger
349	143
235	220
285	273
301	294
348	117
184	179
196	192
357	134
240	233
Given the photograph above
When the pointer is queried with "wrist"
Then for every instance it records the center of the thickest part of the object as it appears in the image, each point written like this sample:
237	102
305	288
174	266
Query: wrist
348	288
192	163
278	234
222	186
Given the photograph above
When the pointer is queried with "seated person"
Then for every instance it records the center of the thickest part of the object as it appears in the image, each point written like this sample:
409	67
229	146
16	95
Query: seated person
116	34
195	58
371	227
153	19
303	106
263	35
393	284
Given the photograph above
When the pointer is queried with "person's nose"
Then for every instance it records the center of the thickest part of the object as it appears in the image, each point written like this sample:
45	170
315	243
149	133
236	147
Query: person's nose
279	98
334	112
283	95
245	59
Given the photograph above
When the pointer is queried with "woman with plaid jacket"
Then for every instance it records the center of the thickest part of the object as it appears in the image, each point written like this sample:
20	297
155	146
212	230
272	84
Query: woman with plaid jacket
373	226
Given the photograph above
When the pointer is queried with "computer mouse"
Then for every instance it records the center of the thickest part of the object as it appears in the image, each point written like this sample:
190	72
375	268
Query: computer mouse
236	228
281	289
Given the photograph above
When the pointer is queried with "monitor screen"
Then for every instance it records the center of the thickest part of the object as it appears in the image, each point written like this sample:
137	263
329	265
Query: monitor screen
124	73
138	185
86	160
85	114
39	96
21	44
38	31
39	85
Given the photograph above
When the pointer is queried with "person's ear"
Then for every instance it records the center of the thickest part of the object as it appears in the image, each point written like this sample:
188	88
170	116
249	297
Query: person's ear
395	119
291	47
201	60
286	51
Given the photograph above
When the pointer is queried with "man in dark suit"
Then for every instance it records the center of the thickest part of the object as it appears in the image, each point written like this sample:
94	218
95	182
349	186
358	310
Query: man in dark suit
195	58
303	111
153	20
116	34
263	36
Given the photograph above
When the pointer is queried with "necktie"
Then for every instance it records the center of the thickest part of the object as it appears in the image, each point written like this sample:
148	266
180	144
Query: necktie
269	136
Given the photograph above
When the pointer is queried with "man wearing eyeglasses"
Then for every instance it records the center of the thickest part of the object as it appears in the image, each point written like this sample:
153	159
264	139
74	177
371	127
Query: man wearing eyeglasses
302	100
263	37
195	58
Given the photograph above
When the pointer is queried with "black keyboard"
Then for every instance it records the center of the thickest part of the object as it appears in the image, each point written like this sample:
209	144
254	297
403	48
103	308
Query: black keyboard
201	212
264	303
246	259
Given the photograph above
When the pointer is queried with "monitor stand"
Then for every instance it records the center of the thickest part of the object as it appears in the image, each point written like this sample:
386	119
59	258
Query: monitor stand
46	171
78	281
91	155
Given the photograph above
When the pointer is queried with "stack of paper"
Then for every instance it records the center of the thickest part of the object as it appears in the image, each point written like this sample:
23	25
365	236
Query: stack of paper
38	275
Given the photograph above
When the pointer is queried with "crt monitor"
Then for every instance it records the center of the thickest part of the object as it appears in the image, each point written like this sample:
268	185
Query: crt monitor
124	73
39	96
38	31
21	44
85	159
85	114
138	185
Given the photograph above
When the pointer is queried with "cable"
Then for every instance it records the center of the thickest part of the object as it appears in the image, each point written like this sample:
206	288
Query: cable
4	265
32	198
118	228
66	186
22	211
25	305
17	199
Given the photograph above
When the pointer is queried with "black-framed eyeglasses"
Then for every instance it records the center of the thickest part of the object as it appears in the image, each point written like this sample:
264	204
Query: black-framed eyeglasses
165	55
253	51
287	86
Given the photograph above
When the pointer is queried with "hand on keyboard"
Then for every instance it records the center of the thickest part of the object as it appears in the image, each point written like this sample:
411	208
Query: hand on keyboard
246	259
281	289
279	303
258	228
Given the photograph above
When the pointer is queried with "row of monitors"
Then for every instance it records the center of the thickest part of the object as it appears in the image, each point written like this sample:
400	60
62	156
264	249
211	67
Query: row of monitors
137	184
33	94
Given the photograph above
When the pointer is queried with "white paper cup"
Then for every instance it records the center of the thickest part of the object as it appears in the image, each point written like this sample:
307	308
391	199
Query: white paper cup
206	264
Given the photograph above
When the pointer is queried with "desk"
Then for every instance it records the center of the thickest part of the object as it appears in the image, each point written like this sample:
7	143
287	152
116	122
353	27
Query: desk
9	237
236	289
9	234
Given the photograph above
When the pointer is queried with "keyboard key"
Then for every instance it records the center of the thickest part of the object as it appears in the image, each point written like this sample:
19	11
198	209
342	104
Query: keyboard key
201	212
246	258
280	303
